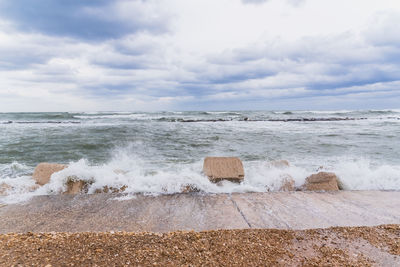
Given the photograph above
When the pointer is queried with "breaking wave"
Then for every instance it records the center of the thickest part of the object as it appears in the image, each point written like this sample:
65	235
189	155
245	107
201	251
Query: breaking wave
141	176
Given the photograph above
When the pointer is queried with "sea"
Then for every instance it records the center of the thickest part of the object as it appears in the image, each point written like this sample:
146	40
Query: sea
162	152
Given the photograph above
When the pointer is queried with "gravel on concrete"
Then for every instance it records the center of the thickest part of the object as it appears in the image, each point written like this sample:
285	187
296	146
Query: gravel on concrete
337	246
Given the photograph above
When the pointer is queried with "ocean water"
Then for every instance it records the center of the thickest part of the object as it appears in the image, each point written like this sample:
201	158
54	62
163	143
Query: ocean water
159	153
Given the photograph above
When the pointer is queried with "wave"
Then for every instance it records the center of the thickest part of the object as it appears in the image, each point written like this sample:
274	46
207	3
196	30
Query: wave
223	113
343	111
362	175
13	170
340	112
103	112
383	111
111	116
196	116
40	115
299	119
142	176
174	119
41	122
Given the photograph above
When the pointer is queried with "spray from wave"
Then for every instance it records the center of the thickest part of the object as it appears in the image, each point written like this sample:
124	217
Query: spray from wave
142	176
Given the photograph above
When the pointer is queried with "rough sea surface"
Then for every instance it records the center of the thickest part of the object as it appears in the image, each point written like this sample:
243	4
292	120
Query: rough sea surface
162	152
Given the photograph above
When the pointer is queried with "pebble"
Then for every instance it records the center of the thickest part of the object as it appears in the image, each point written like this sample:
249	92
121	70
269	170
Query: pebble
337	246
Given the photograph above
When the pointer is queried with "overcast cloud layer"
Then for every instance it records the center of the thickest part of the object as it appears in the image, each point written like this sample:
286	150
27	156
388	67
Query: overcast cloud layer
199	55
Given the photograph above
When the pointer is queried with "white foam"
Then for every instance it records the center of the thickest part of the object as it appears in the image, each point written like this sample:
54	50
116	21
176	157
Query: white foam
141	176
362	175
12	170
112	116
329	111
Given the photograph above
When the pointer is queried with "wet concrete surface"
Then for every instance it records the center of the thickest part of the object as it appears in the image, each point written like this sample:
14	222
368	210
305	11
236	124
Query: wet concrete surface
195	211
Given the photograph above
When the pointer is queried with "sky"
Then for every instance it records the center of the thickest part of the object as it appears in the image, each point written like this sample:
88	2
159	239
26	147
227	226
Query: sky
150	55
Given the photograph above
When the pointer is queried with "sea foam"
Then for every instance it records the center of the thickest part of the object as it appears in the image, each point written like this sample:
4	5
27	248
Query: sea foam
141	176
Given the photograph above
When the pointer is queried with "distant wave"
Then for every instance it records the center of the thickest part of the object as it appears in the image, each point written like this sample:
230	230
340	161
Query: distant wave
198	116
111	116
176	119
269	120
41	122
223	112
383	112
344	111
103	112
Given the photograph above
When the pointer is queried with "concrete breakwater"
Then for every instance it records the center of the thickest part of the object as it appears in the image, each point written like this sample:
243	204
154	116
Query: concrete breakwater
196	211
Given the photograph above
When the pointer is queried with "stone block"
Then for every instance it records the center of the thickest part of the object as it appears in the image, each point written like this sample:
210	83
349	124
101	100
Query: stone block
223	168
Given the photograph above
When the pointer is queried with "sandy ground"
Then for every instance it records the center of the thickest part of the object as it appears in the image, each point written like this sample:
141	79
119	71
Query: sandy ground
338	246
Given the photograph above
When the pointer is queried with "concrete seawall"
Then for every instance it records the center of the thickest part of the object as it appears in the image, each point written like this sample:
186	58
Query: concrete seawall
281	210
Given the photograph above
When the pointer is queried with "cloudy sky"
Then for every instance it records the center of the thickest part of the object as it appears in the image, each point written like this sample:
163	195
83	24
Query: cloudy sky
93	55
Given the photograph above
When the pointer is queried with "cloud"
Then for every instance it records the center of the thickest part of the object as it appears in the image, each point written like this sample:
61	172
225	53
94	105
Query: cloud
316	63
295	3
383	29
85	19
171	62
254	1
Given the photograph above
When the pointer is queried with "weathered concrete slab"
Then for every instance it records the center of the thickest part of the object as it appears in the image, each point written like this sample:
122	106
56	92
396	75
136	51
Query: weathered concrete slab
303	210
283	210
101	212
